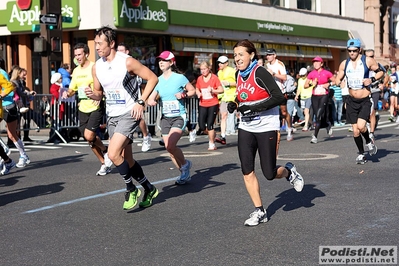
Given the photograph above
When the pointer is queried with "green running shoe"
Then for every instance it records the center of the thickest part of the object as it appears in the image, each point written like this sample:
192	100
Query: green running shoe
148	197
131	199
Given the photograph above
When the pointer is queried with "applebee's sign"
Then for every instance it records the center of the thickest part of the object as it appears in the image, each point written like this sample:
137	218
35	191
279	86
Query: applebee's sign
20	19
143	14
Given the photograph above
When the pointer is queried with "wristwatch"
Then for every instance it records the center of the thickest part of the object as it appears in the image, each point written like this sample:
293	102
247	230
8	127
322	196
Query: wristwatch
141	102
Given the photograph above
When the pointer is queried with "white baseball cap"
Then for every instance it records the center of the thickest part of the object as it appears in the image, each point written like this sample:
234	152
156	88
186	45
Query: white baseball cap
223	59
303	71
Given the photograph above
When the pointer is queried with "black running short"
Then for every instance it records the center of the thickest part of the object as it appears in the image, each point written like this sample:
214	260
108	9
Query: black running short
358	108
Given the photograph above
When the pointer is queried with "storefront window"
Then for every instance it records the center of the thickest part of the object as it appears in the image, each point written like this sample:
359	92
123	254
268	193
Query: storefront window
144	49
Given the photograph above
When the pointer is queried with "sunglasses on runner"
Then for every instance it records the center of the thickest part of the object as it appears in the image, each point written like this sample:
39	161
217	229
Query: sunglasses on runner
353	51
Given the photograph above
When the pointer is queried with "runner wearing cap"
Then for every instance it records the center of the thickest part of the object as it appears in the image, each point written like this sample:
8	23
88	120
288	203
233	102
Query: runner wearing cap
114	76
320	79
305	94
277	69
171	91
226	75
358	105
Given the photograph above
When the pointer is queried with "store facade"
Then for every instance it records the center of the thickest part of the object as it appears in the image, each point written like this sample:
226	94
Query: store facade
193	34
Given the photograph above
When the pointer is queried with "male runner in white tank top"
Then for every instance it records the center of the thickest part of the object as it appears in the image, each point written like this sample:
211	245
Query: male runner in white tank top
115	76
358	104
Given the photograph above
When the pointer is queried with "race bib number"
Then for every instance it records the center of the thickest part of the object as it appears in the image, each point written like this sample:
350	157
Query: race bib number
115	97
252	119
355	83
171	107
81	93
319	90
206	94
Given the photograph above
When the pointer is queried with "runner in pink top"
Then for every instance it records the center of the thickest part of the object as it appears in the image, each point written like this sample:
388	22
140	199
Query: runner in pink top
320	79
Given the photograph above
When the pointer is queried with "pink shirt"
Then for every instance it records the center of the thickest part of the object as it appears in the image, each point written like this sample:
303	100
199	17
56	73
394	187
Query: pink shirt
323	76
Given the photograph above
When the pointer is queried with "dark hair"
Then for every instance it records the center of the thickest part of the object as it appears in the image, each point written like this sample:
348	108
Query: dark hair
65	66
83	46
110	34
124	45
249	47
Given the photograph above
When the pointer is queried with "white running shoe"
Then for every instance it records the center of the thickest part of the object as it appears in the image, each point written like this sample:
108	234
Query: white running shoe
104	170
329	130
23	161
193	135
361	159
107	161
256	217
146	143
372	148
295	178
314	139
7	167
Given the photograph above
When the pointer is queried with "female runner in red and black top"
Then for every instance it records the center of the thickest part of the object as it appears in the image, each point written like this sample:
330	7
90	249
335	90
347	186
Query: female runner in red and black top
257	100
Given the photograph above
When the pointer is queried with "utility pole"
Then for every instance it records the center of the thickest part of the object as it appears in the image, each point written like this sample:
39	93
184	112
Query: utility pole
52	34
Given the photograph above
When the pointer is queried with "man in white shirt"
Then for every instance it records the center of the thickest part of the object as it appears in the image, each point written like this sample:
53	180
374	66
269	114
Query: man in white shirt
278	71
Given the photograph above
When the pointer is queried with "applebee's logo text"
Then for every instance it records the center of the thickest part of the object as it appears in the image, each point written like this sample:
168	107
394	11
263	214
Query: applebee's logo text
26	16
31	16
142	14
271	26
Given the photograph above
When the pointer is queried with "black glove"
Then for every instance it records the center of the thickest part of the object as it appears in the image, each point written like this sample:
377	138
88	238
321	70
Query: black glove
231	107
244	109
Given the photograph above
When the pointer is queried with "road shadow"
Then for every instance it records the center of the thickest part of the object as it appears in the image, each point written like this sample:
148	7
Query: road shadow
69	160
201	180
7	197
8	181
290	200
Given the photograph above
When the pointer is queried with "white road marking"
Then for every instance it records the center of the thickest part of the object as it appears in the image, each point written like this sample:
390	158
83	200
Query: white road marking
91	197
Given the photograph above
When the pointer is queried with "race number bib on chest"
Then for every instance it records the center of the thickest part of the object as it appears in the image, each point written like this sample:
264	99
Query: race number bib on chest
81	93
170	107
355	83
319	90
206	93
115	97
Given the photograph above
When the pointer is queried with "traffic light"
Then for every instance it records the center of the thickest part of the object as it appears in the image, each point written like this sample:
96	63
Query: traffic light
51	27
39	45
56	44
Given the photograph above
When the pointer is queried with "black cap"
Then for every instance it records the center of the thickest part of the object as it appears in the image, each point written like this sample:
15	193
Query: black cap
270	51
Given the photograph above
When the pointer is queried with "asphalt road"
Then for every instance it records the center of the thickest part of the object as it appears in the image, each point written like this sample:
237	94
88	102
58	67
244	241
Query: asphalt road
57	212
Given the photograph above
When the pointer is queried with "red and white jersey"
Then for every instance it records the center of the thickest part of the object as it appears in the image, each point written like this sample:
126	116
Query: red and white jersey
249	92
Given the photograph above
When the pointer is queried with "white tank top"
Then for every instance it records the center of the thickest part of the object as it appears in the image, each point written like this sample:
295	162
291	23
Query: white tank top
355	76
111	76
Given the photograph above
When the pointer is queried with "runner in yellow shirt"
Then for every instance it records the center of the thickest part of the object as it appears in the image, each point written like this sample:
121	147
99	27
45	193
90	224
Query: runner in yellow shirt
90	112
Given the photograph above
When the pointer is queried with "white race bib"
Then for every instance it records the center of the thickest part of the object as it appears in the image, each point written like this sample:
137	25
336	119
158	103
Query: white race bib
170	107
81	93
319	90
206	94
355	83
115	97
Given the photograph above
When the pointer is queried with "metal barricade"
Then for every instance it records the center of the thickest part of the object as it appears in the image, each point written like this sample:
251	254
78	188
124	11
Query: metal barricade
46	112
